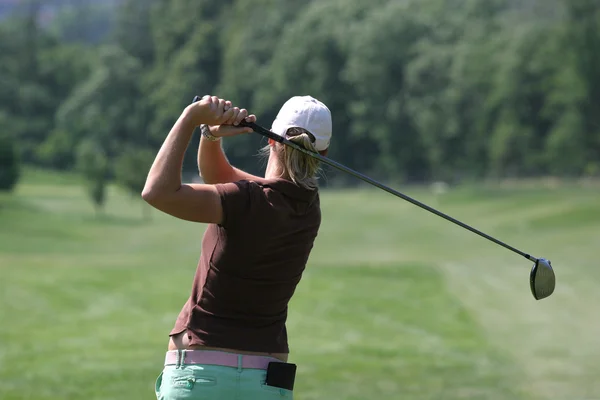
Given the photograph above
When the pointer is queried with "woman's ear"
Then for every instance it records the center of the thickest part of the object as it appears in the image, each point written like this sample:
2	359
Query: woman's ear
271	142
324	152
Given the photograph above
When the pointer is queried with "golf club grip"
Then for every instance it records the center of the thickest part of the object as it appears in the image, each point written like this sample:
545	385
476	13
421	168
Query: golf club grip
255	127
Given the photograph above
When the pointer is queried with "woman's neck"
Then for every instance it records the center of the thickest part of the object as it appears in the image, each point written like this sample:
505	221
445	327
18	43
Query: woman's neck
274	168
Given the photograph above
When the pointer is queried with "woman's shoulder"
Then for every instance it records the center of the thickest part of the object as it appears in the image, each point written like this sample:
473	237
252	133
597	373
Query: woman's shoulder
255	189
284	186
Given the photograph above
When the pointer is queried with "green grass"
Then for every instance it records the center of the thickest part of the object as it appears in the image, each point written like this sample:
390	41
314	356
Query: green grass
396	303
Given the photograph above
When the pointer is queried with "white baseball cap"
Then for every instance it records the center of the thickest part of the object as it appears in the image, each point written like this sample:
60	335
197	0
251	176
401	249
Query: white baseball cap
308	113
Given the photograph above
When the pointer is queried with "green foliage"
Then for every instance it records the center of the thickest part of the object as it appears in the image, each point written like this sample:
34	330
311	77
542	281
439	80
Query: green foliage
88	22
133	30
92	163
9	163
106	105
377	73
131	169
419	89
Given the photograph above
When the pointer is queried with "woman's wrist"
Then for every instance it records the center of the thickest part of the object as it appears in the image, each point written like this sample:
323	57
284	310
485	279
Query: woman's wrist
205	129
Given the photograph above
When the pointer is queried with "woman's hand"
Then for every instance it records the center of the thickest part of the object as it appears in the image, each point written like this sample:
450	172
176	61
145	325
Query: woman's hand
230	127
222	118
211	110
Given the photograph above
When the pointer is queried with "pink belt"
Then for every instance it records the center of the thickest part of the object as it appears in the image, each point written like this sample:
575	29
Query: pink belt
221	358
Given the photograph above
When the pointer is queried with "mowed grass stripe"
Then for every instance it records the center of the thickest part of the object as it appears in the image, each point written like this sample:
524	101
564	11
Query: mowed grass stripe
391	331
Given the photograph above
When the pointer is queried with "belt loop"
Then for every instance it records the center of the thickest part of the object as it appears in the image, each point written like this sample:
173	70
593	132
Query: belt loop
183	354
178	359
240	362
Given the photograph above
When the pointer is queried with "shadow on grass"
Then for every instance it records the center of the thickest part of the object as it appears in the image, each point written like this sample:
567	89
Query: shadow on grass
11	203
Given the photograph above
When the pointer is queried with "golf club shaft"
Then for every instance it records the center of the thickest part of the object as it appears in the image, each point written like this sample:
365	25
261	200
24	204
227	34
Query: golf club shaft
267	133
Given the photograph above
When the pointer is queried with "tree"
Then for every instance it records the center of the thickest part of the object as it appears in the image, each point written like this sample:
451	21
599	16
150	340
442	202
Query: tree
188	57
37	72
383	46
9	163
106	106
23	97
92	163
581	41
62	69
88	22
133	31
131	170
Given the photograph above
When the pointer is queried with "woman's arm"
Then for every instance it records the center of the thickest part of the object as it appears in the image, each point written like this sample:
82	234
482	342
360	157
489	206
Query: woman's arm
164	189
214	166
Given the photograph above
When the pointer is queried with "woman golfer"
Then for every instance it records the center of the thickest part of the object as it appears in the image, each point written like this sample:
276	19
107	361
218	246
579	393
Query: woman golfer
229	340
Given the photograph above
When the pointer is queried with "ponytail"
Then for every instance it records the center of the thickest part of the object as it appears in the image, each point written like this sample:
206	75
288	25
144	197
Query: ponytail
299	167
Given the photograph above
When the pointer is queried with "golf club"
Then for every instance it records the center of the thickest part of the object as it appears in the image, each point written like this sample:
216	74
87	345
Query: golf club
541	279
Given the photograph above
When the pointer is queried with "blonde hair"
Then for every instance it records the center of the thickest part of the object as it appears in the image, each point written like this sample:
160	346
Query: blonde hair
299	167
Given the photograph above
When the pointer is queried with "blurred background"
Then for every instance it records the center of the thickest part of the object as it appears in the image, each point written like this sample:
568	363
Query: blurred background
487	109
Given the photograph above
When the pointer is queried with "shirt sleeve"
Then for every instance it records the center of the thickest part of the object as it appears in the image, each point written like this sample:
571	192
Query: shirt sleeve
236	202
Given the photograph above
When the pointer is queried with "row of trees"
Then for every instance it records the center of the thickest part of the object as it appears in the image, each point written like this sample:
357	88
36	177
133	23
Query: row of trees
419	89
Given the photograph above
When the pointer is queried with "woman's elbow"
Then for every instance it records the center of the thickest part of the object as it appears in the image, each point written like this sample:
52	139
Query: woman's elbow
156	195
149	195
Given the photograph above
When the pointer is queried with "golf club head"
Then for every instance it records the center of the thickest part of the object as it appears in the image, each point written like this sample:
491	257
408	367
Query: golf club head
542	279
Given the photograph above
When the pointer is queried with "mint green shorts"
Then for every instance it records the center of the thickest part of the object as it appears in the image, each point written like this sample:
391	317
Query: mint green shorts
213	382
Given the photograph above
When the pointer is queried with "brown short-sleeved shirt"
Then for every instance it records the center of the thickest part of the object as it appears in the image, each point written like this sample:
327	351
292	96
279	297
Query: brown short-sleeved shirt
250	265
